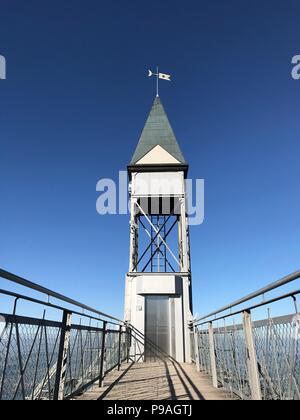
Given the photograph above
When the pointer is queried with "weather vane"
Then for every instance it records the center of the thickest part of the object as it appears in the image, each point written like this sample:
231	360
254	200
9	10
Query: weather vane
158	75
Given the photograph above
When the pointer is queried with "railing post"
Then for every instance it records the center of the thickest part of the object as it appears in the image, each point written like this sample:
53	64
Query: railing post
251	358
119	349
101	376
128	342
195	330
59	386
212	353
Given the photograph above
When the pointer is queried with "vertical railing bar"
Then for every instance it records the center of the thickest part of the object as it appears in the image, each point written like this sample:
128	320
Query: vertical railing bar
221	358
212	355
119	349
102	353
69	366
295	304
196	345
62	360
91	351
128	342
99	349
253	372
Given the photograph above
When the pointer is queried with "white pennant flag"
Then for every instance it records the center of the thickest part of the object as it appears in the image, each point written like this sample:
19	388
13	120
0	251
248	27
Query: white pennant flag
164	76
158	75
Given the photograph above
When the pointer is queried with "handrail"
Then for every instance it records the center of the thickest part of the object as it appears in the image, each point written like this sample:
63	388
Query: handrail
250	308
285	280
34	286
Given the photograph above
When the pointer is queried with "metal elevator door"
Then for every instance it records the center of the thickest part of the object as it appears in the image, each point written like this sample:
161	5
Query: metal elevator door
157	328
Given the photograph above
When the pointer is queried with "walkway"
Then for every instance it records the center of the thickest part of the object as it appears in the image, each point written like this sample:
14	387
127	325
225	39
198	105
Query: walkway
156	381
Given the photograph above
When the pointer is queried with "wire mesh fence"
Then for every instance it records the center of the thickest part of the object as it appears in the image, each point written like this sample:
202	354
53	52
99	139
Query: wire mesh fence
59	354
29	355
277	351
277	342
258	360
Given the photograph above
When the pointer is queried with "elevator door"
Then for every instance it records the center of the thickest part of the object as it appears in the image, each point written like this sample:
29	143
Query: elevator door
157	328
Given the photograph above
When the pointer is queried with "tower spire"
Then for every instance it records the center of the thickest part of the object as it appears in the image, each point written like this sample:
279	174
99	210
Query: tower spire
157	132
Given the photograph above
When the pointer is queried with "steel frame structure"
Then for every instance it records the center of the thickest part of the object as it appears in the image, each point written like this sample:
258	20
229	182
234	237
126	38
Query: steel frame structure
158	227
156	250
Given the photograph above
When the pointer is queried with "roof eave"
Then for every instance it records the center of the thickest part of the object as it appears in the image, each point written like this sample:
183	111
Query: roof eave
159	167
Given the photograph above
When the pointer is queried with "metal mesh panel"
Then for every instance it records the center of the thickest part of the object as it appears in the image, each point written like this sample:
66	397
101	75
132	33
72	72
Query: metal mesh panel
28	356
29	351
112	350
83	366
277	343
203	351
231	360
277	347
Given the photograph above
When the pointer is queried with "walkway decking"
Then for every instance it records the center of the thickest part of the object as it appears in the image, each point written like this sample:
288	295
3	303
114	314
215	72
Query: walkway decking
156	381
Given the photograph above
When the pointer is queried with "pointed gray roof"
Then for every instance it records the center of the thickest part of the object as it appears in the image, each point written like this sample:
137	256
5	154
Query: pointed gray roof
157	131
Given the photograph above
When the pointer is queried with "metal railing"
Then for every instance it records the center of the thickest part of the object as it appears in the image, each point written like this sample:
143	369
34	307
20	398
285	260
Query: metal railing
258	360
57	355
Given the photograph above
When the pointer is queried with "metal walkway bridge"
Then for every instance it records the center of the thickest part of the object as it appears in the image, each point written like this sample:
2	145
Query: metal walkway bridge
63	349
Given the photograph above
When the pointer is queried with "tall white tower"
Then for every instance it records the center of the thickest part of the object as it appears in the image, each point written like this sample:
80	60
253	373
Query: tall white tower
158	296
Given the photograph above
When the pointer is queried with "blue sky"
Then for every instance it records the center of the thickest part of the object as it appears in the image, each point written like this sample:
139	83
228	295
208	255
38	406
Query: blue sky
72	109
